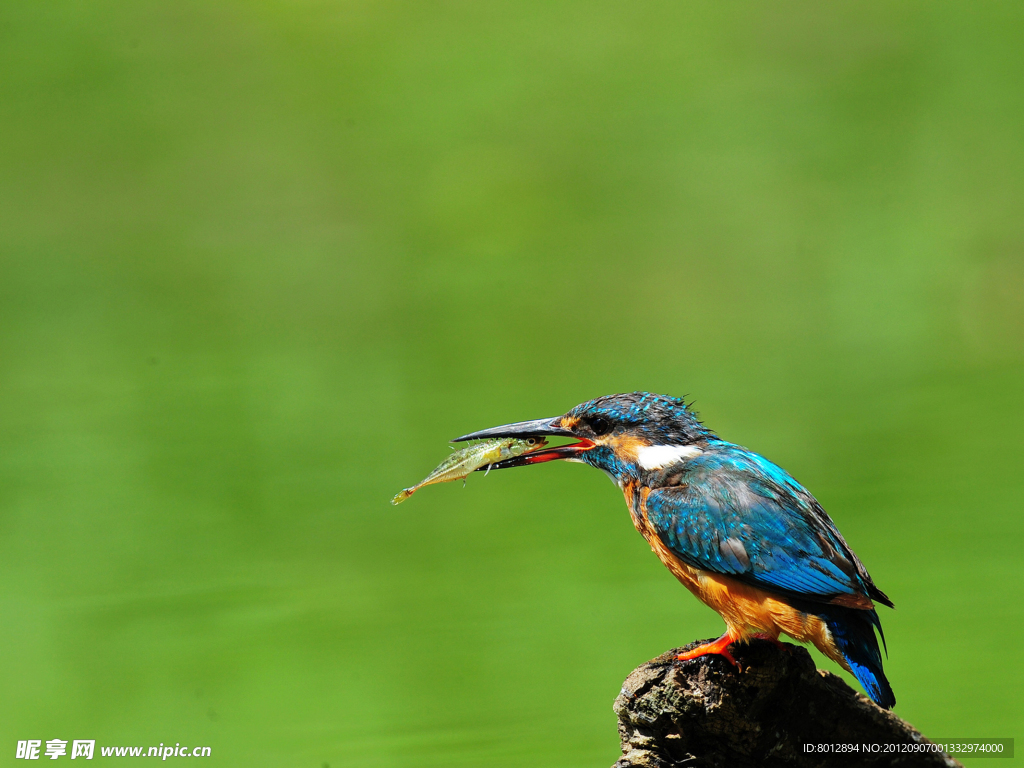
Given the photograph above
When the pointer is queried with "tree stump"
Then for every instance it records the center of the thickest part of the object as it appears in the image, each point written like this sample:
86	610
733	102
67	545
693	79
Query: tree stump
705	713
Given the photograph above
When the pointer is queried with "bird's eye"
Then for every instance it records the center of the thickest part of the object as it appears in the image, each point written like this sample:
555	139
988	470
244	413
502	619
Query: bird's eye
599	426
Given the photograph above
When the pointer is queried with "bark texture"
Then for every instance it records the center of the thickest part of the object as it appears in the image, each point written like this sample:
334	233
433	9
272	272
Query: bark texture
706	713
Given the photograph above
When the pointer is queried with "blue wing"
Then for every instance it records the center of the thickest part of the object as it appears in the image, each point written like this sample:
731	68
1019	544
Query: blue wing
736	513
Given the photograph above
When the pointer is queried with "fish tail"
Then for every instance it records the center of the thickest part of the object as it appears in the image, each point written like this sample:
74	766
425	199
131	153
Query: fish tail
405	494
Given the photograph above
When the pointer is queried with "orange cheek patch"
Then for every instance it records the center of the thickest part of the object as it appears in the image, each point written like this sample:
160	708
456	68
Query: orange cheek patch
626	446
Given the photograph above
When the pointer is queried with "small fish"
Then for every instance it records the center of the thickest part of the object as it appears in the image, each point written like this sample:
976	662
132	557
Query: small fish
466	460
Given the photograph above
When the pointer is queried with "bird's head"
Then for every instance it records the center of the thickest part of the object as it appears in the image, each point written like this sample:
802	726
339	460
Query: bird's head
624	435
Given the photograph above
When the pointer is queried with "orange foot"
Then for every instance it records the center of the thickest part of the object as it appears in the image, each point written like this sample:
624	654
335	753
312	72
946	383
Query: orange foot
719	647
773	640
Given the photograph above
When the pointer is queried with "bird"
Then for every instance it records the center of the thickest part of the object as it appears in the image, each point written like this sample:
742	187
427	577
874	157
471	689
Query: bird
735	529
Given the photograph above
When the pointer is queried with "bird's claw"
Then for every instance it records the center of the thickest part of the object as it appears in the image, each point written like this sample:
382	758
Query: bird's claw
718	648
773	640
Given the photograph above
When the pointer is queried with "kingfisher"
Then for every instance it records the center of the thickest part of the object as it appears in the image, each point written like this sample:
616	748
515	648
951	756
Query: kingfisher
737	530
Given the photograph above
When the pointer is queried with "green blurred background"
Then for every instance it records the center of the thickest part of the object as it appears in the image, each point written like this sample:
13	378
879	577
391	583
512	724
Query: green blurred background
260	261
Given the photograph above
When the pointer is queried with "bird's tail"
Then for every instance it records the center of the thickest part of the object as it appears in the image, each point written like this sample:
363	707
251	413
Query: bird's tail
853	633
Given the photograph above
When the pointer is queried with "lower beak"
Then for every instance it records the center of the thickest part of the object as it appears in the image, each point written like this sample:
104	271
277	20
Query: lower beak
536	428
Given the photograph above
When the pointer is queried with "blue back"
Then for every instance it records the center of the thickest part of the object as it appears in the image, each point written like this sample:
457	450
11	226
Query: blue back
734	512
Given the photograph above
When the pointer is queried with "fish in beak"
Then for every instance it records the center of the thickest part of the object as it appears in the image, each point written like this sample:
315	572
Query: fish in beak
537	428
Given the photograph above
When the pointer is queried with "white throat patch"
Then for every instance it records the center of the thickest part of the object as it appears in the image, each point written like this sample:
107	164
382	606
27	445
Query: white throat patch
660	456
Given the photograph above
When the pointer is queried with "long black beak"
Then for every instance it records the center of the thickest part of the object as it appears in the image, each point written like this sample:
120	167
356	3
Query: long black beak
536	428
